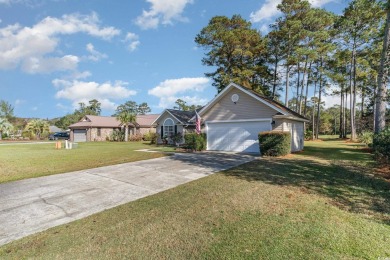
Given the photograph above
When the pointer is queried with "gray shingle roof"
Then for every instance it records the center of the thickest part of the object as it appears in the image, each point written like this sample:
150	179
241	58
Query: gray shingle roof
182	116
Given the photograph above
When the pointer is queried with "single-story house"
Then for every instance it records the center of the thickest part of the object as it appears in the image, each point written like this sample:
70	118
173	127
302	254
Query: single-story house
233	119
99	128
172	121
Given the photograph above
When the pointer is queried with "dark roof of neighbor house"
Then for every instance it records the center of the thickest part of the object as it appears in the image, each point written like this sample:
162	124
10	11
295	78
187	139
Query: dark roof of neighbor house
53	129
183	116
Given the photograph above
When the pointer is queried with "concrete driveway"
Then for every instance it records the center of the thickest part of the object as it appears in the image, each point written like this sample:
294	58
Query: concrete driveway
33	205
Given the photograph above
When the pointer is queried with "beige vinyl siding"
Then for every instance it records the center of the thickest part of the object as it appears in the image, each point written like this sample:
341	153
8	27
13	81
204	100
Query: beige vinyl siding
296	128
160	122
247	107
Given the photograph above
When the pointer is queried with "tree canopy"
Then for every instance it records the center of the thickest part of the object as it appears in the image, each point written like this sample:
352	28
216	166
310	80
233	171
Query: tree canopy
237	51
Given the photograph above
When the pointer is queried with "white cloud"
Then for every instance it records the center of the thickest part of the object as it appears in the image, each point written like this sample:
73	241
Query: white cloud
31	47
83	91
269	9
94	54
162	11
266	11
46	65
186	89
133	41
19	102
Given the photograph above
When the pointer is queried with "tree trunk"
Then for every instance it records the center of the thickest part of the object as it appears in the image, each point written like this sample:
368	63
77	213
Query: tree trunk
319	107
307	90
313	111
302	87
126	132
319	100
341	110
380	116
298	82
287	84
275	77
353	93
345	114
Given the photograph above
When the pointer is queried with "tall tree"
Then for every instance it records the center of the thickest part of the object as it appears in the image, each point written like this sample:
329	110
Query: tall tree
126	118
6	110
237	51
133	108
291	27
357	26
143	108
380	120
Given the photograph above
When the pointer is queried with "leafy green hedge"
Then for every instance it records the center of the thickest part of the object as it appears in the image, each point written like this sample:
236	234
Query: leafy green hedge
381	145
195	142
275	143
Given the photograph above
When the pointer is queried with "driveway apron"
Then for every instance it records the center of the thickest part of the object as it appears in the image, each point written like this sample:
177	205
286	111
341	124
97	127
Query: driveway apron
33	205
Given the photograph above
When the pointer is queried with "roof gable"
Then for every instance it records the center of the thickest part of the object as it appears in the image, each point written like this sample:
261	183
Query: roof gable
277	107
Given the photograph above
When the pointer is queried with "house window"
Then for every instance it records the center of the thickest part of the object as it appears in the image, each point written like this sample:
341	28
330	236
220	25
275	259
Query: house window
168	127
99	132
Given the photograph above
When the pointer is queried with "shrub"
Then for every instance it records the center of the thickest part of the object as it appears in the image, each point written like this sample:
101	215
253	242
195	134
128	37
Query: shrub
147	136
153	138
308	134
117	136
381	145
275	143
366	138
195	142
176	138
135	138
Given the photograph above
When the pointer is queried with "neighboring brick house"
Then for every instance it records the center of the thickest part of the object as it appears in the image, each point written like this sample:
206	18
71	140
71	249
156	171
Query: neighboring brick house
100	128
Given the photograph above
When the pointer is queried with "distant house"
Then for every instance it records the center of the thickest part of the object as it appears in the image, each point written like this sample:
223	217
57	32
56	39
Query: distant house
172	121
100	128
54	129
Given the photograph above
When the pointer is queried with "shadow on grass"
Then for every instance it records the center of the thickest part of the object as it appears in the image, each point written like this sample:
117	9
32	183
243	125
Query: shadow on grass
349	186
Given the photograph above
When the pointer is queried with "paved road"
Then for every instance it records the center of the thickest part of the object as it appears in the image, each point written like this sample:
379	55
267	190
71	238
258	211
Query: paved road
33	205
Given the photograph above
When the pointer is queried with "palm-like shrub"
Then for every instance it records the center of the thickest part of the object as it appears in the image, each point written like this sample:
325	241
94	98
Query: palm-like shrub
126	118
37	127
5	126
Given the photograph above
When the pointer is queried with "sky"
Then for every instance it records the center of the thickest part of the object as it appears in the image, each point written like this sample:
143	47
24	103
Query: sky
55	54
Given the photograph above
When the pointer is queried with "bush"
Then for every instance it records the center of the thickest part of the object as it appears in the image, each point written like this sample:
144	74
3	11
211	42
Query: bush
308	135
176	138
195	142
381	145
153	138
117	136
135	138
275	143
366	138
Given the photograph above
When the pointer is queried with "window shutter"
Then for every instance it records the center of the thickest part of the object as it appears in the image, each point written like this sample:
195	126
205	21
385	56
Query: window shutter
175	129
162	132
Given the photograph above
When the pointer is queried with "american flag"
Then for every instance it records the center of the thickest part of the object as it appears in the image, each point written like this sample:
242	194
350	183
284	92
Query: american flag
197	123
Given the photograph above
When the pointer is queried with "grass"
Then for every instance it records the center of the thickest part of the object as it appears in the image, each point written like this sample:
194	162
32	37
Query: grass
21	161
325	203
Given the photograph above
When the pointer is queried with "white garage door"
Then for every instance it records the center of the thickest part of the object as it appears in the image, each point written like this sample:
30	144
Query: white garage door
235	136
79	135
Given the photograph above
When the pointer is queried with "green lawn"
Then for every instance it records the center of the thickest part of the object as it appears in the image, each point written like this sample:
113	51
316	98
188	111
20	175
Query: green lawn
21	161
324	203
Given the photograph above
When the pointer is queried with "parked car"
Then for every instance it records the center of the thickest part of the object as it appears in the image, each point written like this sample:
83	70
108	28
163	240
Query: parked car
59	136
